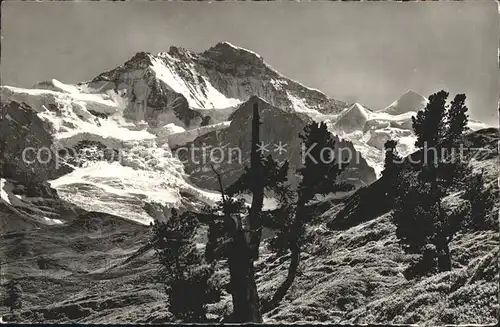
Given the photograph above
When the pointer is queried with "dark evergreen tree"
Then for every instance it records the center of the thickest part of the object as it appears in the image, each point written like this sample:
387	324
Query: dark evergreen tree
392	166
257	185
229	214
184	273
429	124
456	119
13	296
481	202
239	236
319	175
273	176
392	161
284	217
453	165
321	167
422	225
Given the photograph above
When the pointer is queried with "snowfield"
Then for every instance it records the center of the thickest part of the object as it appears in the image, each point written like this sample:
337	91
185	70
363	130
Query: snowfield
369	130
202	95
143	172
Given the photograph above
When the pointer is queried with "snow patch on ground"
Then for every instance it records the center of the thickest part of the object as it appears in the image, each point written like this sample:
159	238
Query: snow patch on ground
3	191
51	221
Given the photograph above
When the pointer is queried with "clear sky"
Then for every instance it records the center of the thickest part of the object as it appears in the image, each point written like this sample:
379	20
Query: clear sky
366	52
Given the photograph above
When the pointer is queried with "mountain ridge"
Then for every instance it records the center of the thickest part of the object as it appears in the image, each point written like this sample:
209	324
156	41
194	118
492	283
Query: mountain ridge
153	103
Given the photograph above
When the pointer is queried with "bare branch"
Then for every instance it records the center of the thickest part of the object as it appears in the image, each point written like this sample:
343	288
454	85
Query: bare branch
220	184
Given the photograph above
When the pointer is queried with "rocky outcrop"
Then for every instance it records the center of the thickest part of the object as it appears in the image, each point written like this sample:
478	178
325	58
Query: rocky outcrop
277	126
142	95
172	86
23	136
27	162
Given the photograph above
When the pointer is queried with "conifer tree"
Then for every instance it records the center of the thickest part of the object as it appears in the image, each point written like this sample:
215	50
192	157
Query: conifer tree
422	225
240	234
319	175
456	119
429	124
184	273
481	202
13	296
392	159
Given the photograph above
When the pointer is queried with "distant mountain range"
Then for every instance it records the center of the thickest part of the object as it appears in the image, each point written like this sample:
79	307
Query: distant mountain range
155	103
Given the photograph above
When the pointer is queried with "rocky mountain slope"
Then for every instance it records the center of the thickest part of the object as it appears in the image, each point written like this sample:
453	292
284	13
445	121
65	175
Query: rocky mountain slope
278	127
173	86
94	270
108	141
121	126
72	220
369	129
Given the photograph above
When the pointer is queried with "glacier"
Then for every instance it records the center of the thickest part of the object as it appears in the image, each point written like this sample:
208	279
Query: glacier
369	129
145	172
153	104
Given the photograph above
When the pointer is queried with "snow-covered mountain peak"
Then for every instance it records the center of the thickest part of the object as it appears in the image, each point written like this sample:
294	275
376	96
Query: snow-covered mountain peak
359	107
141	60
177	53
411	93
181	86
412	96
157	102
353	119
140	57
408	101
231	52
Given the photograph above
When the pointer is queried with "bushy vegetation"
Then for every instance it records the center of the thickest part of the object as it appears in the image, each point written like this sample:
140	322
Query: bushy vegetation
13	296
479	214
411	193
235	230
184	273
423	226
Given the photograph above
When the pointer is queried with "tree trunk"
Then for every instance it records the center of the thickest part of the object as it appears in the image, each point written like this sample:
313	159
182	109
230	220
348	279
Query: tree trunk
294	246
442	244
444	258
255	220
243	251
285	286
243	287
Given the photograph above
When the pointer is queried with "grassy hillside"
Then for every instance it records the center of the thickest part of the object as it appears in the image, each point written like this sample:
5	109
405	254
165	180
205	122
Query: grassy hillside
351	273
